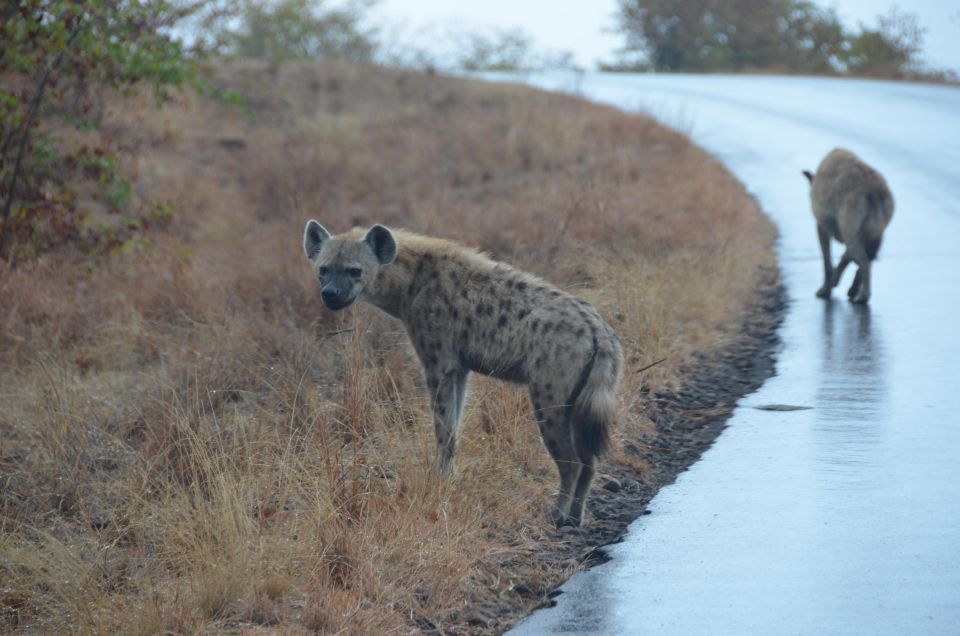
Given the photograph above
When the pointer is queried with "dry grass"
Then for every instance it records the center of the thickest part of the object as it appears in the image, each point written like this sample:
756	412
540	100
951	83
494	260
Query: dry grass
189	441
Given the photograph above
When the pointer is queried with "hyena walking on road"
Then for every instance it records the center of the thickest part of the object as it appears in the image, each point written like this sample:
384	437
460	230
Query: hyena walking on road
465	312
852	204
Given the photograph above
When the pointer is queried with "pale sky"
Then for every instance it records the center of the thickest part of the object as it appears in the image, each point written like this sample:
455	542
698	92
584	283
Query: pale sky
579	25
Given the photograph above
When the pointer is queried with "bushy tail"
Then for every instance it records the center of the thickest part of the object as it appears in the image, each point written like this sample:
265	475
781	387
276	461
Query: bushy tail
595	406
878	214
871	245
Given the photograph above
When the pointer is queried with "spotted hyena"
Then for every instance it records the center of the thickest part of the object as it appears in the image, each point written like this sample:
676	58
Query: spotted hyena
852	204
465	312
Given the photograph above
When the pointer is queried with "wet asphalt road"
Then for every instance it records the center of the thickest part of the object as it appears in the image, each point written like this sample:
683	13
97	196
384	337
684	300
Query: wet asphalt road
844	517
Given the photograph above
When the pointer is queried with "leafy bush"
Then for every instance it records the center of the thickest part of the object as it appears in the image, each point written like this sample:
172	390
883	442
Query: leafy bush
55	55
889	50
451	46
498	50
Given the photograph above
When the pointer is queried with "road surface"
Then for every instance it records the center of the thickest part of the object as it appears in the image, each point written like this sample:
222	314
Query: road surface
843	518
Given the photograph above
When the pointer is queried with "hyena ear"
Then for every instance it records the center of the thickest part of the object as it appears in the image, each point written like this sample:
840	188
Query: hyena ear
808	175
382	242
314	238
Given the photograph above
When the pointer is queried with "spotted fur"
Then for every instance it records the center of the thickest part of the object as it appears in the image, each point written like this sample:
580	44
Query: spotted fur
853	205
467	313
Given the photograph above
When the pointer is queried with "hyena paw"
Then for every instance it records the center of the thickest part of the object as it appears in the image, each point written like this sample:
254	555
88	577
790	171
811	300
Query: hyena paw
446	466
824	292
860	299
560	519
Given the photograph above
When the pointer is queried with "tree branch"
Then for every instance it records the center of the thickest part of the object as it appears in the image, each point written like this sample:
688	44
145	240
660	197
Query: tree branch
27	126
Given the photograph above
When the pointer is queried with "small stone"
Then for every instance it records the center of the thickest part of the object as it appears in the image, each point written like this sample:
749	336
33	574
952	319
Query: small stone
612	484
105	463
523	589
233	143
478	618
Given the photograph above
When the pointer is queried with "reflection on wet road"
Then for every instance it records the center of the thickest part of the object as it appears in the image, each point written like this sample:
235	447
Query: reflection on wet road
850	395
843	518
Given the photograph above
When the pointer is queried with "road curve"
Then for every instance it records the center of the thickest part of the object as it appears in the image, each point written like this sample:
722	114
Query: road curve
843	518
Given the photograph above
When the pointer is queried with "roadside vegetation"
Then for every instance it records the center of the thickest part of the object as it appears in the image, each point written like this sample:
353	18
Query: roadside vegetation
189	441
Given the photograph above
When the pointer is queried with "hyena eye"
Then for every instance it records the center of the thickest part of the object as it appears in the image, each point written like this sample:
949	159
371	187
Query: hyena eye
322	271
355	272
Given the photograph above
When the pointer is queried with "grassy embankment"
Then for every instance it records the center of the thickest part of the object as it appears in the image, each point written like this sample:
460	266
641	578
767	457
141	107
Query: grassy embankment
188	439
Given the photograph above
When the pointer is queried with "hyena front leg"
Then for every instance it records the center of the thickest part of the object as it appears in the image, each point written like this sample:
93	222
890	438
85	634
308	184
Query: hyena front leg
447	392
557	434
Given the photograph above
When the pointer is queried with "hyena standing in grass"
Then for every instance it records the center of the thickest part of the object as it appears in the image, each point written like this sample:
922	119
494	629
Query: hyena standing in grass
852	204
465	312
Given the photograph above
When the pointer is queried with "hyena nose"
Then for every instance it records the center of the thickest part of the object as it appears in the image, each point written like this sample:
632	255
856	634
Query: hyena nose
330	292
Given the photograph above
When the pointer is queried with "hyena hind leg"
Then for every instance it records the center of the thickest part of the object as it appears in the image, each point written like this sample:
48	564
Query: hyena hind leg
557	435
845	260
855	286
824	236
860	292
582	489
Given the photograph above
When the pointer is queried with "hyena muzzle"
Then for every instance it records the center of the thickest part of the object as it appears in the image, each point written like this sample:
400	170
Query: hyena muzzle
465	312
853	205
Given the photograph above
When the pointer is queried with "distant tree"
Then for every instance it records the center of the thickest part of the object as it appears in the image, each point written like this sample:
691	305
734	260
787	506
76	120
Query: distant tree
786	35
451	46
891	49
813	39
732	35
288	29
495	50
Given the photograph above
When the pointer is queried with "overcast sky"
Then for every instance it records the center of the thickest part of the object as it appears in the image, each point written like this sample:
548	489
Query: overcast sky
582	26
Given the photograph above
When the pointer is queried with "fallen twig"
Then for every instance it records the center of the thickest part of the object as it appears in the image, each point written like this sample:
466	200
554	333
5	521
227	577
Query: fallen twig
649	366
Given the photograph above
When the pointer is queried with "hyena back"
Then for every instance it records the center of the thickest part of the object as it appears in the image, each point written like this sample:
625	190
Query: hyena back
853	205
465	312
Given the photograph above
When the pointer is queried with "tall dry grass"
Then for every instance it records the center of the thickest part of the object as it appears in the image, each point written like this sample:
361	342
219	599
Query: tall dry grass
189	441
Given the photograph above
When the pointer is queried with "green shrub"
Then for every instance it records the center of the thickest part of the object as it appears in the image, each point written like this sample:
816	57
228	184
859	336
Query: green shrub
54	55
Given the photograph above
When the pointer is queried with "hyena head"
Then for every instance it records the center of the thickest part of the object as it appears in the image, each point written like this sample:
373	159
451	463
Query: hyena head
346	266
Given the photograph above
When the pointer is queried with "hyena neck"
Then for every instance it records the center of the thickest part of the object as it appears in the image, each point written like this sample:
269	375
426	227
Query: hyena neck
389	291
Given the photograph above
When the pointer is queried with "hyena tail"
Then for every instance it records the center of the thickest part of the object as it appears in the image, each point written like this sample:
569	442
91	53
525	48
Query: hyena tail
871	245
879	210
595	406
